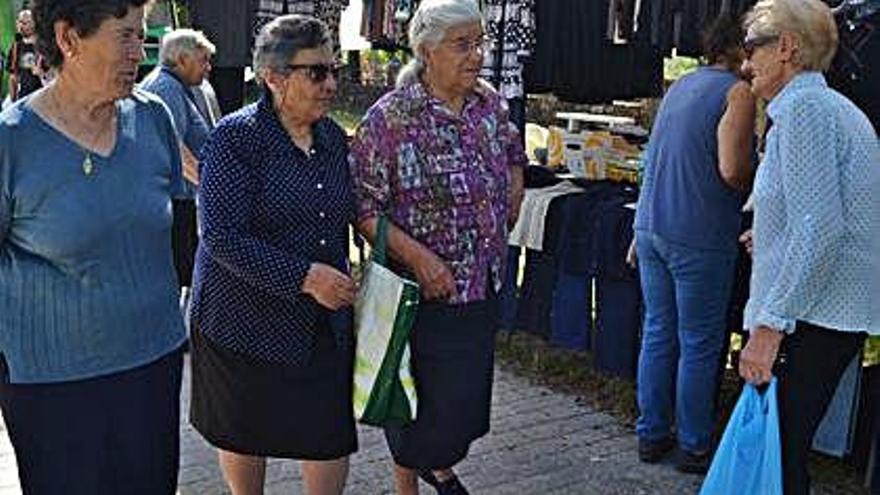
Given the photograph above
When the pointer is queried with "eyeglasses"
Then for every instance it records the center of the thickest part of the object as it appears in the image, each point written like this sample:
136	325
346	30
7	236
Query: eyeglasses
750	45
317	73
465	46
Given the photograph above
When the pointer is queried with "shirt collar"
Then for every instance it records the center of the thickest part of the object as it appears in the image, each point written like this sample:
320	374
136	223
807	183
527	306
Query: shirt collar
268	117
173	75
801	81
419	92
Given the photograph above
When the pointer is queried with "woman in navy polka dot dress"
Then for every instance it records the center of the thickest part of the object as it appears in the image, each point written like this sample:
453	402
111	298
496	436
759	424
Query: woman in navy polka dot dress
272	348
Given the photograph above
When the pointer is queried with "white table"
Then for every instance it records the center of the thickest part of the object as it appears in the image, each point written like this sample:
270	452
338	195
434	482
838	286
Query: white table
575	119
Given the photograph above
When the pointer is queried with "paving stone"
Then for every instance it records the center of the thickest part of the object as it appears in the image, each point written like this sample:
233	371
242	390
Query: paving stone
541	443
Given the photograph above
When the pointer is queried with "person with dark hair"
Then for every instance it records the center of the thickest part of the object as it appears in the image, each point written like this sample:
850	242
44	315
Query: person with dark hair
698	169
90	329
272	345
23	66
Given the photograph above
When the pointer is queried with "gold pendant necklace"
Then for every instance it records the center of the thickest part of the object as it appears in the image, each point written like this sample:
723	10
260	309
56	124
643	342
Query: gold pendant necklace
87	165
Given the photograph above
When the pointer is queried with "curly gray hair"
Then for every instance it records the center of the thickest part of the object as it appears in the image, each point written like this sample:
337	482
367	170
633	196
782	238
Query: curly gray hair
281	39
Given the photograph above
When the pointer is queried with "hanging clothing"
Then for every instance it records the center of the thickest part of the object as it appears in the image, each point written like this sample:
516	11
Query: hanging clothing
226	23
510	27
622	16
574	59
328	11
385	22
680	23
855	71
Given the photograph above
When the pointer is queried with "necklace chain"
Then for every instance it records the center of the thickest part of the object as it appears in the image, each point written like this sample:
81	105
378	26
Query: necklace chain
88	164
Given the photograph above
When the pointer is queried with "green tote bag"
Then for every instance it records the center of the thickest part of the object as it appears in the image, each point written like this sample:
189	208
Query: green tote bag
384	312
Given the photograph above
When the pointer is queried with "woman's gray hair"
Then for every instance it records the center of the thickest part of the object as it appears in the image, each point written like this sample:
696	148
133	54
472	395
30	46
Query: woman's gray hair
282	38
428	27
183	42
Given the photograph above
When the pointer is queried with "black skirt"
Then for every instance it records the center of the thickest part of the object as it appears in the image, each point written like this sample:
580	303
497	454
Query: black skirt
256	408
453	357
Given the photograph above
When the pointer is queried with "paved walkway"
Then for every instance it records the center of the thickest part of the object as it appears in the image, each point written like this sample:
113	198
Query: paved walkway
541	443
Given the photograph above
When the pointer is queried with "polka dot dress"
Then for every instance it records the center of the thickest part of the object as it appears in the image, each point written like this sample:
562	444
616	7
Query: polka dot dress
268	210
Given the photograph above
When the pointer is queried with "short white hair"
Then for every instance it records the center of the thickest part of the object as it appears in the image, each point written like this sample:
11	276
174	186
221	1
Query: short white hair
810	21
182	42
428	27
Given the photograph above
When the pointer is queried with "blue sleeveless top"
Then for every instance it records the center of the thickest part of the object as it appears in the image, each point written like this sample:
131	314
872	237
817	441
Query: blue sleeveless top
683	197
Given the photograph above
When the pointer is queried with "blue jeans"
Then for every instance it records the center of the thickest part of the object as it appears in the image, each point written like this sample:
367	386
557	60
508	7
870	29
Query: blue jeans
686	293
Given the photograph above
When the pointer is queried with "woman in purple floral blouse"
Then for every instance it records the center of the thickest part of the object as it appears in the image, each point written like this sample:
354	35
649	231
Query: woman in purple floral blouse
440	159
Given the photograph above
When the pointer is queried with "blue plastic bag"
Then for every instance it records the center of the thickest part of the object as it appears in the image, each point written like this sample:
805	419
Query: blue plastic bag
749	458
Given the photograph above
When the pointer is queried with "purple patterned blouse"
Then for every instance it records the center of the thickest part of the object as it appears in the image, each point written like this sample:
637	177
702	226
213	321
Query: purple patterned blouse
442	178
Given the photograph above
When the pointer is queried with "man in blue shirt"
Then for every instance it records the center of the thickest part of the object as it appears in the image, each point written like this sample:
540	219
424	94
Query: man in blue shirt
185	61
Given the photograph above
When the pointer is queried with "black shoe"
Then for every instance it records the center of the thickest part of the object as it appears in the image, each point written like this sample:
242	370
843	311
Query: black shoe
450	486
693	463
653	452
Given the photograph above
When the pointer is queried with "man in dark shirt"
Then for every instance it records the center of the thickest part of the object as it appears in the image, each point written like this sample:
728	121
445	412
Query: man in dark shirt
23	63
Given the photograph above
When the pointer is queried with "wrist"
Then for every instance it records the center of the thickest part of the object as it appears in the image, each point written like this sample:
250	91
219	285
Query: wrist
774	334
410	251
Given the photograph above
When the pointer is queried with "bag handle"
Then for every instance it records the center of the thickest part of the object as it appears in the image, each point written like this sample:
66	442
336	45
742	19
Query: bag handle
380	243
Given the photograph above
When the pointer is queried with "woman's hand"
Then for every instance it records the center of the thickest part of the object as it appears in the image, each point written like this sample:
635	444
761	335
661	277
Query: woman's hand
330	287
190	165
747	241
434	276
757	358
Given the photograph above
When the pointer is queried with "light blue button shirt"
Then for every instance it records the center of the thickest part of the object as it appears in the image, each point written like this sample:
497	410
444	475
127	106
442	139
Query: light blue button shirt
816	215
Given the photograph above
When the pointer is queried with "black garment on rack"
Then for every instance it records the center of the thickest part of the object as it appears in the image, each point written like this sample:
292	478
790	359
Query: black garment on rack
228	83
623	13
517	108
680	23
855	71
227	23
574	59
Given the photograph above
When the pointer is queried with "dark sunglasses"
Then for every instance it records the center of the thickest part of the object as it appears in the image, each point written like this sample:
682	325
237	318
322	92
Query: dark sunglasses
750	45
317	72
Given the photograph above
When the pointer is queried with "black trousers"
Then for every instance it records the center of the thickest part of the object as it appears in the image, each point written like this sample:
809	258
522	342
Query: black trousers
184	239
118	433
811	362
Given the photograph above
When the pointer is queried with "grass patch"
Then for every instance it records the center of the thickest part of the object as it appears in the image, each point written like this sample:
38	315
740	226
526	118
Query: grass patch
347	118
566	371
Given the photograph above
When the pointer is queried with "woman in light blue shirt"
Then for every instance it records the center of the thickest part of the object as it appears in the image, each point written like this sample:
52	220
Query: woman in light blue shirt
90	331
815	229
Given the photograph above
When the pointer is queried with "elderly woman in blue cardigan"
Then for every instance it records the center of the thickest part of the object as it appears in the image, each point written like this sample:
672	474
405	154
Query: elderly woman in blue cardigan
90	330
